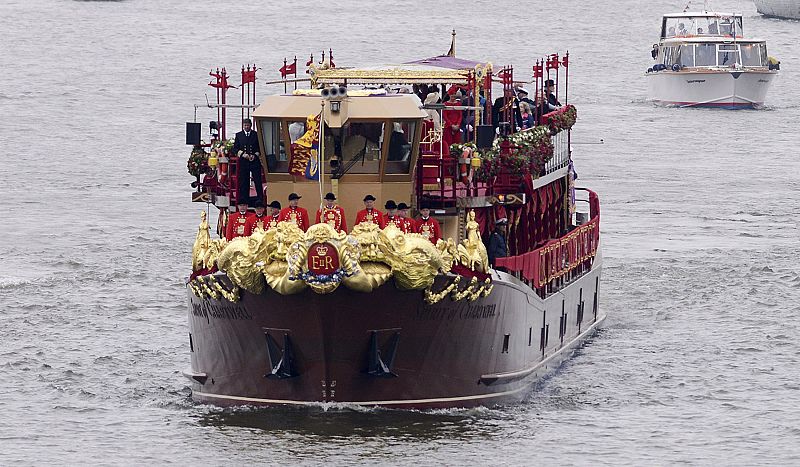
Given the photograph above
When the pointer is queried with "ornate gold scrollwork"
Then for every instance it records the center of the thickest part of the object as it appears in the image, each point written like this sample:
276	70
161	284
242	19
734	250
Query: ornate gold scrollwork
471	252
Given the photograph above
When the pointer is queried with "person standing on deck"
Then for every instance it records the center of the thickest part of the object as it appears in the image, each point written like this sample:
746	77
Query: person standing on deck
275	214
406	224
391	216
260	220
245	145
427	226
498	247
332	214
369	213
294	213
451	125
237	222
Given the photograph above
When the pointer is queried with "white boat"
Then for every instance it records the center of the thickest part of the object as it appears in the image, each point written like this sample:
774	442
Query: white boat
779	8
704	60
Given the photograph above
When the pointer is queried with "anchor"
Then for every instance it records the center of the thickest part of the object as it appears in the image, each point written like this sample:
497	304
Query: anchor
281	360
378	366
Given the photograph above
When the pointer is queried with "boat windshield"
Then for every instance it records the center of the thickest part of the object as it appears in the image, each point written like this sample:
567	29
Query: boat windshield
691	26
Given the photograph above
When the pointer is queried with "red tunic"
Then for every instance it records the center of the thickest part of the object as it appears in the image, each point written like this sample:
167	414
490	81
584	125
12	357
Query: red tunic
332	216
255	222
298	215
408	224
450	136
396	220
429	228
237	225
369	215
273	221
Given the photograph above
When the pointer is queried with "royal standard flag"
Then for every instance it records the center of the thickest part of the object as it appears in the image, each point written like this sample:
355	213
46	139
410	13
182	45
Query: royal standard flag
304	150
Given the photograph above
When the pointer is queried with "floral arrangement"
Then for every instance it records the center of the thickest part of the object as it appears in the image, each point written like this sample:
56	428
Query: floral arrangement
563	119
222	146
522	153
198	162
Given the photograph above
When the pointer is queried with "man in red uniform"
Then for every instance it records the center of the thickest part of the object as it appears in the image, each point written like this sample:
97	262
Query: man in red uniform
237	222
407	225
294	213
427	226
332	214
258	221
275	214
391	216
369	213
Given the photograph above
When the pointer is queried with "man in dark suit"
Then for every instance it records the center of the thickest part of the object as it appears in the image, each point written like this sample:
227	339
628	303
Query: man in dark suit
549	88
246	147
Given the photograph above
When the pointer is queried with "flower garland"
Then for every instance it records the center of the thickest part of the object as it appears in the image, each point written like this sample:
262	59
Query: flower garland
198	162
522	153
222	146
564	119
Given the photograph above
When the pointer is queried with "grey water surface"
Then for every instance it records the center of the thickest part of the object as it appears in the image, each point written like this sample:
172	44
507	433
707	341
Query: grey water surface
697	362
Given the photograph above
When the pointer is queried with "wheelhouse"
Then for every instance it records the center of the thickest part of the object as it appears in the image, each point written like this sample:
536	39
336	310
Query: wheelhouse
701	25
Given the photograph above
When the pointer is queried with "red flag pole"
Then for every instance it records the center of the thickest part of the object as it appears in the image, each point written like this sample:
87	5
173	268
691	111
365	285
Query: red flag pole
295	72
248	95
283	75
555	64
566	78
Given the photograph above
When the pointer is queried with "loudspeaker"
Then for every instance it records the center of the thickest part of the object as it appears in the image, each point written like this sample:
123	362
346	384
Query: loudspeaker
485	134
192	133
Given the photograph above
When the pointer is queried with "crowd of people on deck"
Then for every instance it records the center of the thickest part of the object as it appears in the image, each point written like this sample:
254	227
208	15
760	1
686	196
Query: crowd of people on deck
458	125
243	223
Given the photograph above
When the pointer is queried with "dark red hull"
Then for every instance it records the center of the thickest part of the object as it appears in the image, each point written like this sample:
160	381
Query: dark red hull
451	354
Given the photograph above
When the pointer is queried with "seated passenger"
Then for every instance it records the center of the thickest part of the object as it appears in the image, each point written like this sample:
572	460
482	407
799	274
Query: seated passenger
712	29
671	32
699	31
369	213
332	214
399	149
682	30
237	222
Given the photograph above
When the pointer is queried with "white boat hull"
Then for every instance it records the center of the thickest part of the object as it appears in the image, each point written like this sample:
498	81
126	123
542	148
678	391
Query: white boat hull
779	8
719	89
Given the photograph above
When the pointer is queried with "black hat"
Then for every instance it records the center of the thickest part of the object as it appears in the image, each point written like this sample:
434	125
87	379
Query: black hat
259	204
294	196
522	91
242	201
402	206
369	198
330	196
390	204
275	204
549	82
424	204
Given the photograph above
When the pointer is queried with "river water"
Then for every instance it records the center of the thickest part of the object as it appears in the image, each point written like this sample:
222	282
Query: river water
697	362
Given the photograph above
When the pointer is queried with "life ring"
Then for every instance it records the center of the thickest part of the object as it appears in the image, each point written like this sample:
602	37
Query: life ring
464	168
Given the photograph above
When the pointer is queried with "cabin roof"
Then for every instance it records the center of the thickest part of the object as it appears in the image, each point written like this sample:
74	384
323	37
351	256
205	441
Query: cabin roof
387	106
442	69
701	14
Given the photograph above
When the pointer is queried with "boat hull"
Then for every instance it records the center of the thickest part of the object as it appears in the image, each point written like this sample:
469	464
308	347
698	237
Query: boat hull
779	8
450	354
718	89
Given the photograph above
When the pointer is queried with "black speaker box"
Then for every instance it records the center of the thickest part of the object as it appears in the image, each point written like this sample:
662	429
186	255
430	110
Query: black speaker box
485	134
192	133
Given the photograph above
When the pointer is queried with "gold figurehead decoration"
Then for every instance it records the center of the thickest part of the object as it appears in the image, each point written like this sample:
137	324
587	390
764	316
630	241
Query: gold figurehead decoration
288	260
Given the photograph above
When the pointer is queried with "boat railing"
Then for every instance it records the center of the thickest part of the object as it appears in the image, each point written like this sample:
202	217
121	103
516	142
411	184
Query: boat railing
561	260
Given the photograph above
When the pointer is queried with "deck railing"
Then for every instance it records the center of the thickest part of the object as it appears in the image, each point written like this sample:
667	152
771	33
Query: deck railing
559	259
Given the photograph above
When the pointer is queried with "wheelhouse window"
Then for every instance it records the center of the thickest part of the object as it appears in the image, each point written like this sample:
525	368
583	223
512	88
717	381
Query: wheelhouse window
401	144
359	145
705	55
274	149
686	55
727	54
753	54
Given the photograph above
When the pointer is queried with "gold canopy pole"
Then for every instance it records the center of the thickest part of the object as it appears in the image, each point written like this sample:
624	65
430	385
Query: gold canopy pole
321	152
